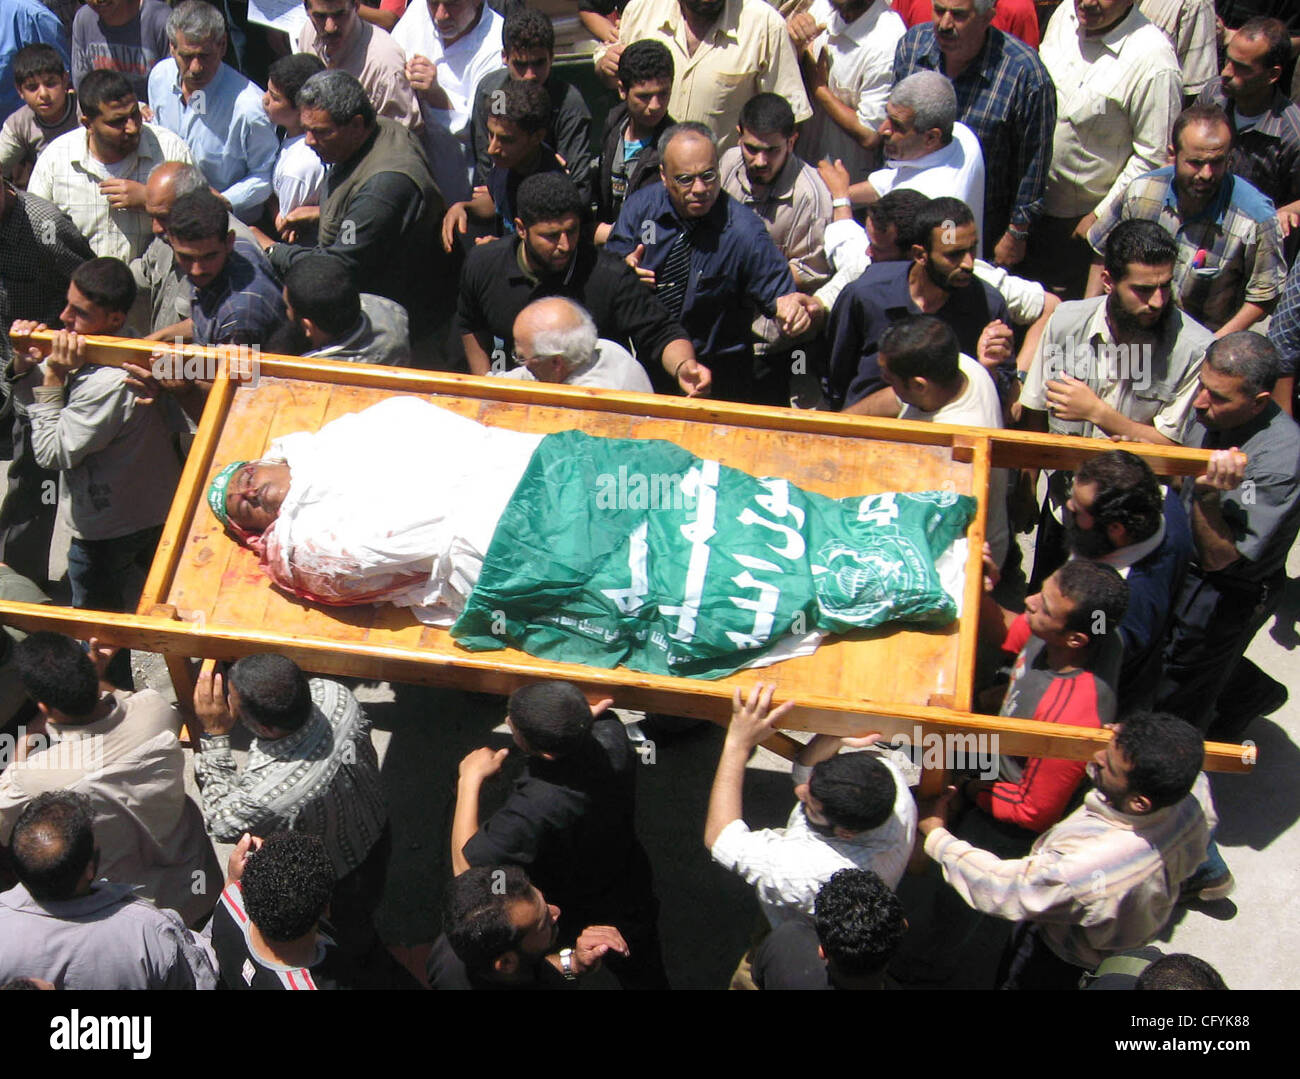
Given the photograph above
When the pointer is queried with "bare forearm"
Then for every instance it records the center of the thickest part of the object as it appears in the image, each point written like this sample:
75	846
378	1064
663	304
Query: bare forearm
844	117
1116	423
476	354
385	20
464	825
1244	319
726	802
1283	392
1094	281
183	330
1211	532
882	403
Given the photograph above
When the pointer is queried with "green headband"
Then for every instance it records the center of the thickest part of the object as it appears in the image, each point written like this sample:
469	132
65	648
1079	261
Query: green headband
217	491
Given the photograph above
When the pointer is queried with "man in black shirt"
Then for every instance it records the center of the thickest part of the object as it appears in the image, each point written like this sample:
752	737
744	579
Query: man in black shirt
858	926
569	821
549	257
528	53
499	932
939	280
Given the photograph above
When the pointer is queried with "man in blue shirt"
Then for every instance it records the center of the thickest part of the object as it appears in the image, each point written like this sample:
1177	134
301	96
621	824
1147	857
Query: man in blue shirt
214	109
709	259
235	300
937	280
25	22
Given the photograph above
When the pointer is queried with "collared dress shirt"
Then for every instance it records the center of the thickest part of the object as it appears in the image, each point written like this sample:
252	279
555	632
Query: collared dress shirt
1117	96
1267	153
1007	98
1097	883
323	779
377	62
746	52
1284	326
861	64
242	306
227	131
1153	385
734	268
1189	25
1228	254
68	175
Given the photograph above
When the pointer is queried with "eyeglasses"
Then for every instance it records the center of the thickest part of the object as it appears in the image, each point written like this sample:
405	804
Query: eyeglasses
687	181
525	361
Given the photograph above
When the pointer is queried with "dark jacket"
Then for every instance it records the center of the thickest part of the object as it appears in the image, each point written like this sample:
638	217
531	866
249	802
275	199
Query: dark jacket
644	171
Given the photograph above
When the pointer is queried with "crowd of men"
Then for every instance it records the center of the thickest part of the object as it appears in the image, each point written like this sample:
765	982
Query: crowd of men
1080	219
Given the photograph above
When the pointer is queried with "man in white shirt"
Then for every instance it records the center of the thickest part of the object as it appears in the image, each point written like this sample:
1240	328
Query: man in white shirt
846	54
449	46
935	383
1118	91
556	341
855	811
928	150
96	176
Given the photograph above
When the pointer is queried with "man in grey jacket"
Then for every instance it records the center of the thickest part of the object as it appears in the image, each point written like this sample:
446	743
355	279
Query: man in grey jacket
116	459
63	925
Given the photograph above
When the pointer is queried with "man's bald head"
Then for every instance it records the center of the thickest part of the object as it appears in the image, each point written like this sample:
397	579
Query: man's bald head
168	182
554	337
53	846
690	169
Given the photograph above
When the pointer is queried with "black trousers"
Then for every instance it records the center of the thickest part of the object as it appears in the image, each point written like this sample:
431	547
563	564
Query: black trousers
1214	620
1029	964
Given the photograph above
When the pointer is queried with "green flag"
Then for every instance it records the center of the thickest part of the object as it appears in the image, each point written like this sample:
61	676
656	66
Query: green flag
636	552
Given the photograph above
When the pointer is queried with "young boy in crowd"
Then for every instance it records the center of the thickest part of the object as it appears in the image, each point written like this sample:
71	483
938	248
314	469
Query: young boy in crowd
629	158
299	176
49	110
518	149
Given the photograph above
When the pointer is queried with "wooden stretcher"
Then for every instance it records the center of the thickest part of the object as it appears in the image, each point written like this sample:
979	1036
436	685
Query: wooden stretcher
206	596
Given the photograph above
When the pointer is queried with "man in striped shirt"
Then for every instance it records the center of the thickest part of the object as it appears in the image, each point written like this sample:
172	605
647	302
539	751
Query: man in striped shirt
1107	877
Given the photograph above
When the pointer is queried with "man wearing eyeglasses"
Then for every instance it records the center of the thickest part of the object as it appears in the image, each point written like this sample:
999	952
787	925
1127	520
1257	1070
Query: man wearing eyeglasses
708	258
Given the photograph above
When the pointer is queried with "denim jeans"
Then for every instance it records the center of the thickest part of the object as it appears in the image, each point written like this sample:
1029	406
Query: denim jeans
108	575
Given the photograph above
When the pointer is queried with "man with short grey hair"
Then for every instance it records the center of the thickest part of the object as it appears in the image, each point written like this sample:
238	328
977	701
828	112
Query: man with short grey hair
381	211
214	109
556	341
927	149
346	42
1005	96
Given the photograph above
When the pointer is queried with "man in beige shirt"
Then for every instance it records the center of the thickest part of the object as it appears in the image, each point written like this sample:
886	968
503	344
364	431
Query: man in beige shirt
343	40
724	52
1118	91
122	751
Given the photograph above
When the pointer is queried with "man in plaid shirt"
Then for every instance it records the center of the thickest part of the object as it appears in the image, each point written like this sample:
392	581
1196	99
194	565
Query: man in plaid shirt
1006	97
1230	268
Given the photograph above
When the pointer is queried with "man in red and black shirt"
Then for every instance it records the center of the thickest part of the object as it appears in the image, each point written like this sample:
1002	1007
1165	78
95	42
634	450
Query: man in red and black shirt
1067	657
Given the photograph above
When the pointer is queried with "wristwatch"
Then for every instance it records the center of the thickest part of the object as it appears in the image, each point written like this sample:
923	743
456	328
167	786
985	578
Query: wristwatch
566	965
836	203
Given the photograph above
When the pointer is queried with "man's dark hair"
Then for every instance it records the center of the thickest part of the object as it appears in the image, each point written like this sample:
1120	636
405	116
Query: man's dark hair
52	844
552	717
1164	753
272	690
527	29
922	346
644	61
100	86
1094	588
1251	357
1200	114
1275	33
21	983
547	196
1180	971
1138	242
290	72
766	114
35	60
287	885
527	105
856	790
900	209
56	672
106	282
859	922
477	917
1127	493
941	213
321	289
199	215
